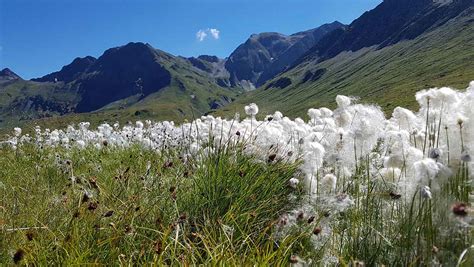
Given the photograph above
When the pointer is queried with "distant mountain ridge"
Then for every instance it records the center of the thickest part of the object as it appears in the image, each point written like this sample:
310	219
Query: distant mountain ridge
266	54
399	44
131	80
389	23
383	57
69	72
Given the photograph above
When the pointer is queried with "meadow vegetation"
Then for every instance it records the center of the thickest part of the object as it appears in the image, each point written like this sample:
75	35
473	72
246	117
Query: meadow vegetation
347	187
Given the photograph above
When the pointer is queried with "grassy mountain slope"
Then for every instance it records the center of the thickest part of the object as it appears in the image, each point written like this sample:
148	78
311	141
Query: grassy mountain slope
117	86
388	76
22	100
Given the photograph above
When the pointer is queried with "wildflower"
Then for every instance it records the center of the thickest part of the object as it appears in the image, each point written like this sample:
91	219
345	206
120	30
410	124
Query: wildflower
465	157
92	206
394	161
237	116
300	215
435	153
314	113
182	217
109	213
394	195
128	229
426	169
93	182
251	110
277	116
325	112
343	101
460	209
317	230
293	183
283	221
329	182
18	256
29	235
86	197
426	192
294	259
272	157
17	131
81	144
168	164
390	174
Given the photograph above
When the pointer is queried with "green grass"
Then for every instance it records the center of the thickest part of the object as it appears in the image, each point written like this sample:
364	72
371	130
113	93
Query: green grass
219	208
175	213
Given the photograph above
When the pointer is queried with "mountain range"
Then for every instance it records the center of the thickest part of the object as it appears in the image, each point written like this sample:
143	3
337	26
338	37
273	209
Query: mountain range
383	57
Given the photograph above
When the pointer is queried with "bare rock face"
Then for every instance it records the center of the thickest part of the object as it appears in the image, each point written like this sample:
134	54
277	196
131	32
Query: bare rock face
265	55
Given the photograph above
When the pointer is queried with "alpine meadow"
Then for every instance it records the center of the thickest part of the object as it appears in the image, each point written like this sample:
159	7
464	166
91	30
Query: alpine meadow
342	145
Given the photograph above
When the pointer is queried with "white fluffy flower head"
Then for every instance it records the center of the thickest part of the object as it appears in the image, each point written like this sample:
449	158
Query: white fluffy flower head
294	182
251	110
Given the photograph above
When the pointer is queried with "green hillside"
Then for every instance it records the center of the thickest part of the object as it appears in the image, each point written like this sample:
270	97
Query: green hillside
190	92
388	77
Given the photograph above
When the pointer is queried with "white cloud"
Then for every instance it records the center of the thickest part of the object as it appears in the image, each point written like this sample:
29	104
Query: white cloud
201	35
215	33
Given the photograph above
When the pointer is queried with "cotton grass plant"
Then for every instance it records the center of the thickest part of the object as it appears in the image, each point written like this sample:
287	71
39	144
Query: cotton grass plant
347	187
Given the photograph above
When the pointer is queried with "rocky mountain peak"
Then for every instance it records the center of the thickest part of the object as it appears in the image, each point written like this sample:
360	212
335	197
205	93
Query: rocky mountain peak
8	74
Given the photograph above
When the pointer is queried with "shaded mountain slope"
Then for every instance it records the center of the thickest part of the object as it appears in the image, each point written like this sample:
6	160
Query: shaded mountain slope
266	54
134	79
390	22
388	76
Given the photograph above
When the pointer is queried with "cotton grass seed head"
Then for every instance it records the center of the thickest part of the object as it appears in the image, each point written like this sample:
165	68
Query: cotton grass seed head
251	110
293	183
426	192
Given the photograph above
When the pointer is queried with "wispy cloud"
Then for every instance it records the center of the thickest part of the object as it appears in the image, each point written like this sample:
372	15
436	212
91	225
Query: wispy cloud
201	35
215	33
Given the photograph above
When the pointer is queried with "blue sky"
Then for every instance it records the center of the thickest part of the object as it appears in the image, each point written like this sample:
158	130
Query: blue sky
40	36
